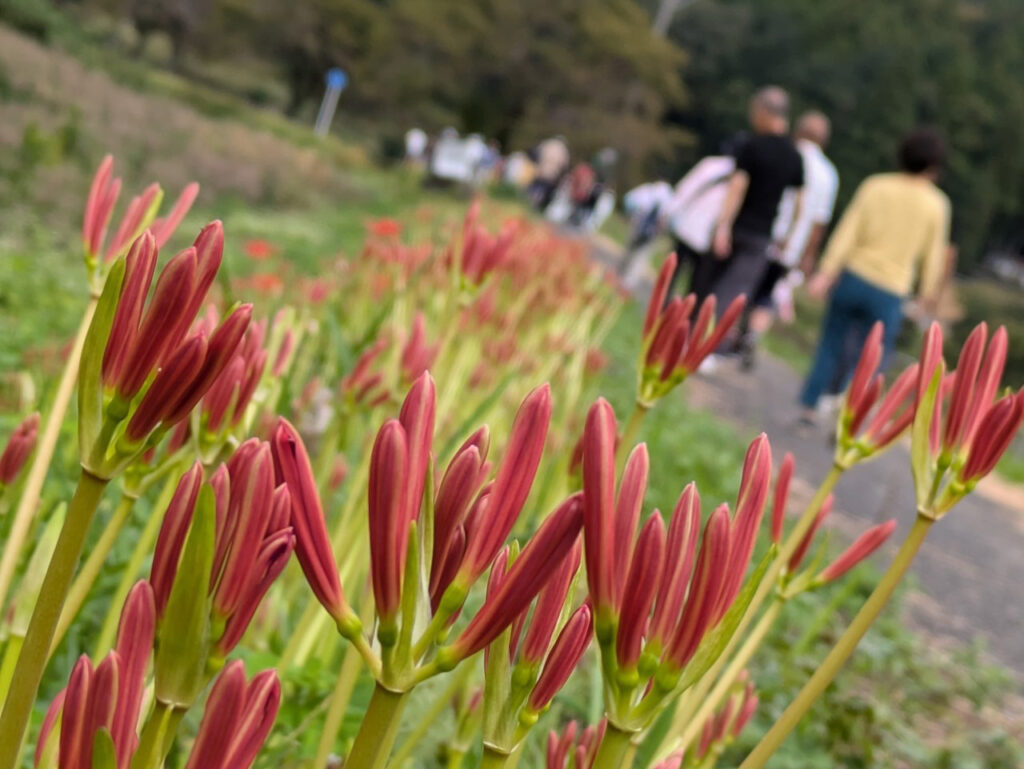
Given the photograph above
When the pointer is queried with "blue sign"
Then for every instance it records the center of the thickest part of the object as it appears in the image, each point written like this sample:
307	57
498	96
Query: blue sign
336	78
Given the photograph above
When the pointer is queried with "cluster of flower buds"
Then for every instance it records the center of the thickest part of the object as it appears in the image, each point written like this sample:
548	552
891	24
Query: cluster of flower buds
573	748
19	448
237	719
221	546
417	354
675	601
98	712
953	448
468	526
870	419
229	396
674	342
523	672
482	253
139	215
142	372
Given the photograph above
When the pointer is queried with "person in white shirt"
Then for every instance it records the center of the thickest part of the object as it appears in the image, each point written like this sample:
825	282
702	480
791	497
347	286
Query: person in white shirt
794	257
693	212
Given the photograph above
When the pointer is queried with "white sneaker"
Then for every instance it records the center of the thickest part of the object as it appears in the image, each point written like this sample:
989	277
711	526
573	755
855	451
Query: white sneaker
708	365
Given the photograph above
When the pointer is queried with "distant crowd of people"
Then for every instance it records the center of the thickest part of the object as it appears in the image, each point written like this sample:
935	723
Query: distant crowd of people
752	219
578	194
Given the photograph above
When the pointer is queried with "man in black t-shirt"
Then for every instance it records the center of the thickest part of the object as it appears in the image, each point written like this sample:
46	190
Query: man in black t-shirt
766	166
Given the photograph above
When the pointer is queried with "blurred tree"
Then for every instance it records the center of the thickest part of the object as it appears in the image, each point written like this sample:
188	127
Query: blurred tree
876	71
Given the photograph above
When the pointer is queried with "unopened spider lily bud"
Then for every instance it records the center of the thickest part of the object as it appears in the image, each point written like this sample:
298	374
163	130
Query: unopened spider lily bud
863	546
417	354
237	719
995	432
312	543
99	205
228	397
19	448
512	485
540	559
572	642
599	510
673	346
137	217
163	227
681	550
805	544
574	748
709	578
390	518
417	419
103	704
641	585
781	496
549	608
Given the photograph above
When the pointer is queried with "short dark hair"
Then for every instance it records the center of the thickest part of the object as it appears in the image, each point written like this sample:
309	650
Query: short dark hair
921	150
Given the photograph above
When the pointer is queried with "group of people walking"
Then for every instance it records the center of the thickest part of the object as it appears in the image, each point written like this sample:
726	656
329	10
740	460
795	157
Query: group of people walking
752	219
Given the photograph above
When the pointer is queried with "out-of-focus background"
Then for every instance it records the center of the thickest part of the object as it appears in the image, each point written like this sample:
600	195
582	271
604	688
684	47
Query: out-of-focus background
423	103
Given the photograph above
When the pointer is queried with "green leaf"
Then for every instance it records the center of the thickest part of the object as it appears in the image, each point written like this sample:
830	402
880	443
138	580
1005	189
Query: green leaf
32	581
103	754
90	370
183	639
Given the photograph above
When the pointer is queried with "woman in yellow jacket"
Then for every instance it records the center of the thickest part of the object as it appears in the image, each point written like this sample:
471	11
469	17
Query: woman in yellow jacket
893	235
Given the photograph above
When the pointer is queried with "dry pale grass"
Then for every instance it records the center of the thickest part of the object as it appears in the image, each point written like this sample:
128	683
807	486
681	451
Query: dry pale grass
153	137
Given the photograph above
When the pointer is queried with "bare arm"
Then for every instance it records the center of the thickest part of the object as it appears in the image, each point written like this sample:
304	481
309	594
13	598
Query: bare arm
798	204
738	184
810	254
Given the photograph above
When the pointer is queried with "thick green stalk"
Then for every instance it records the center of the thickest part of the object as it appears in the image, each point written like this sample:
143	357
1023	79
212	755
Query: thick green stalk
339	704
28	671
616	750
428	720
377	732
630	432
29	501
157	736
493	759
91	568
841	652
130	573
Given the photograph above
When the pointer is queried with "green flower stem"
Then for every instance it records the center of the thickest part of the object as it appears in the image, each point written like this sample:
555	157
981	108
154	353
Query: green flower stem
29	501
314	619
339	704
616	750
143	546
28	671
694	720
429	719
630	432
841	652
157	736
495	759
378	730
86	576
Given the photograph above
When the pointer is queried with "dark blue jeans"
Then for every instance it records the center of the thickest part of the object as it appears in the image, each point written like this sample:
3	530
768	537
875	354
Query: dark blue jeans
853	308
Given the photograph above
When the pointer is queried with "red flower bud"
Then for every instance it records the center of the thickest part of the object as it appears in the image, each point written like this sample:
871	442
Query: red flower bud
863	546
237	719
19	447
313	545
599	504
417	419
993	437
88	707
549	607
680	552
805	543
512	485
99	204
967	367
709	578
989	377
640	587
172	535
540	559
134	645
630	500
139	208
572	642
390	517
165	226
657	300
782	496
